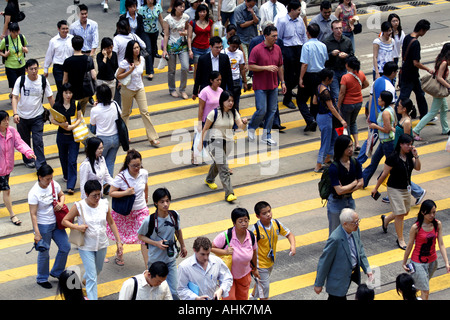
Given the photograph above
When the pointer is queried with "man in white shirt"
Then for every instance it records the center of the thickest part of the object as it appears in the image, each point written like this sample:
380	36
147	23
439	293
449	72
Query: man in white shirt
28	111
87	29
199	275
271	11
59	48
149	285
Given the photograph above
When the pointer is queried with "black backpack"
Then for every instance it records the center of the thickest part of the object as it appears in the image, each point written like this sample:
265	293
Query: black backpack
230	234
151	226
22	41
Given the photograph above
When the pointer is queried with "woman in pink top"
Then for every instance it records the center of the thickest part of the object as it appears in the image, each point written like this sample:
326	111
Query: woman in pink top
243	248
423	236
10	140
208	100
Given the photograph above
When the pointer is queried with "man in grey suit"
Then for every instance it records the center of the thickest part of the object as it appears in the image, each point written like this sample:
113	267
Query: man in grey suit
342	258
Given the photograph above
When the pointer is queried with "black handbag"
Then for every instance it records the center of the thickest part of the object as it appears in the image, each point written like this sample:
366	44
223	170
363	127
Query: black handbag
122	131
123	205
89	84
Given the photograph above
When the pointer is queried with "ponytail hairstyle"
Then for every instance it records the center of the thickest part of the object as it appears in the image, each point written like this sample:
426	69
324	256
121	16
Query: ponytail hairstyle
426	208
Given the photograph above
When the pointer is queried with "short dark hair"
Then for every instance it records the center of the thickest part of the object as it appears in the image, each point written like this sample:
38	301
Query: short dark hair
160	193
313	30
77	42
234	40
387	97
159	269
106	43
104	94
214	40
293	5
83	7
91	186
62	23
325	5
326	73
269	29
389	68
13	26
239	213
353	63
44	170
129	3
259	206
31	62
422	25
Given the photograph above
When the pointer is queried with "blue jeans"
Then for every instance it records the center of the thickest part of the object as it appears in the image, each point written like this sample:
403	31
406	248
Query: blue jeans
49	232
111	145
351	36
93	265
227	15
199	52
68	151
336	84
172	278
384	149
328	136
266	107
334	208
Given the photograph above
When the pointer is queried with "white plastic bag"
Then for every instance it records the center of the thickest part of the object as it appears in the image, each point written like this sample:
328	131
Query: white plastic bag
200	156
447	146
162	63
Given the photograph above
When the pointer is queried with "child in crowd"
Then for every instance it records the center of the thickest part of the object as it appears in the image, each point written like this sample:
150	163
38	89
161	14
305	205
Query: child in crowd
266	232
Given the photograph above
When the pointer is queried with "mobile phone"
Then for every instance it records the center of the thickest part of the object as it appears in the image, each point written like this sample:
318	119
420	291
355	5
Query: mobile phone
411	268
376	196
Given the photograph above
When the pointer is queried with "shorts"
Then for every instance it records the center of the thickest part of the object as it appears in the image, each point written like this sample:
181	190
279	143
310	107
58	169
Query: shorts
264	273
4	183
400	200
423	274
198	52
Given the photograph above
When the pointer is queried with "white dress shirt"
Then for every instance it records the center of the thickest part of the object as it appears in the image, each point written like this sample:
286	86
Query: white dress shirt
144	290
266	12
58	50
101	174
190	270
215	62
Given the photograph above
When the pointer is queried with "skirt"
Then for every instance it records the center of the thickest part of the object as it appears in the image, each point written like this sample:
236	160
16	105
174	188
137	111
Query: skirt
128	226
400	200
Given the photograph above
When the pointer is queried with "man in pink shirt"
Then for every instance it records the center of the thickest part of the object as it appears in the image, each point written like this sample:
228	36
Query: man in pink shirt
266	62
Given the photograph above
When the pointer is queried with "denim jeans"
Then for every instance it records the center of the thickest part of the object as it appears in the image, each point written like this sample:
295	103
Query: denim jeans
111	145
336	83
384	149
439	105
266	107
172	64
334	208
49	232
33	129
93	265
328	136
172	278
68	151
228	15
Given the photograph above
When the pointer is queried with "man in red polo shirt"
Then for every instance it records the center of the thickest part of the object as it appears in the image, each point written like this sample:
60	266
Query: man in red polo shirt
266	62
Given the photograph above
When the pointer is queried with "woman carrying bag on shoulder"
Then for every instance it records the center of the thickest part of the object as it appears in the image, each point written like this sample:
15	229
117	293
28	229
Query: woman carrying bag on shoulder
93	214
131	182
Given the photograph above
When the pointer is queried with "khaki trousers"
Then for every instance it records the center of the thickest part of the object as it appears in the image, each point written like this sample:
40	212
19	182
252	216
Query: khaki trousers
141	100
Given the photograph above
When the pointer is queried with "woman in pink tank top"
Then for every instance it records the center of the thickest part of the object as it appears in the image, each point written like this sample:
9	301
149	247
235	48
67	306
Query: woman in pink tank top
423	236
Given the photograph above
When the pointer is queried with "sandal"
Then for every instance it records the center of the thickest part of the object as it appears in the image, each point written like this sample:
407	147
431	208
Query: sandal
154	143
119	261
417	138
16	221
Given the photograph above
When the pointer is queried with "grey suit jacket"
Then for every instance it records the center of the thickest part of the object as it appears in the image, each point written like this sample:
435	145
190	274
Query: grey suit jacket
335	267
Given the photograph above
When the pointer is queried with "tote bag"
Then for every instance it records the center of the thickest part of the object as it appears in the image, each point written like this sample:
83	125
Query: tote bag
433	87
81	131
76	237
227	259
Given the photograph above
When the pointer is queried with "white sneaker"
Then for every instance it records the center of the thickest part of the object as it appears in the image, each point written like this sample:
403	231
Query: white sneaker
251	135
105	7
269	141
419	199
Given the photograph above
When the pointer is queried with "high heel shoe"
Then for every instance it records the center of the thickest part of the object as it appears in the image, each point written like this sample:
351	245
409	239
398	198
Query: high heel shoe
401	247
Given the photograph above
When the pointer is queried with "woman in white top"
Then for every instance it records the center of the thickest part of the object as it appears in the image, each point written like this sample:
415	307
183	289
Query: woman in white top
132	179
93	214
383	48
398	35
94	167
176	25
122	37
222	121
42	212
103	117
133	66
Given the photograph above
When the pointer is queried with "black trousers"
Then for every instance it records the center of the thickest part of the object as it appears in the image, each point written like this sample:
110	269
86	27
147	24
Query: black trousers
291	61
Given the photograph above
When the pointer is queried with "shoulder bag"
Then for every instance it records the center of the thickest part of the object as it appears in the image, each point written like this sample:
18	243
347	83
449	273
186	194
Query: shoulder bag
76	237
89	84
60	214
81	131
123	205
122	130
433	87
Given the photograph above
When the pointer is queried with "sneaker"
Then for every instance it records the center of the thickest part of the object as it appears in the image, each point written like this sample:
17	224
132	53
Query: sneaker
251	135
419	199
231	198
191	69
212	185
45	285
30	165
105	7
269	141
386	200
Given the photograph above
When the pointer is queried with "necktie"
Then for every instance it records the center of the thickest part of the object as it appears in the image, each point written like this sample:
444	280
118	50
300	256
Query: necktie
274	10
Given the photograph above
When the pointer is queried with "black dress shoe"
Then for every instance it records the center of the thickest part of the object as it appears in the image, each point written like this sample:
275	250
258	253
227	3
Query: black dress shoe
382	223
403	248
290	105
45	285
158	56
278	127
311	127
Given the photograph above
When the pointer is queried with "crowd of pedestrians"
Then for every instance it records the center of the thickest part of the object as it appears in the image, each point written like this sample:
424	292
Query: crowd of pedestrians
266	48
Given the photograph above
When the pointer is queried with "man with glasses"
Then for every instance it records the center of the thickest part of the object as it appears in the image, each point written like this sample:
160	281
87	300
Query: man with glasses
342	258
213	61
28	112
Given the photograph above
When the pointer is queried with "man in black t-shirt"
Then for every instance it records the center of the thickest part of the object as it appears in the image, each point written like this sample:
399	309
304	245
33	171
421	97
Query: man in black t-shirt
409	79
75	68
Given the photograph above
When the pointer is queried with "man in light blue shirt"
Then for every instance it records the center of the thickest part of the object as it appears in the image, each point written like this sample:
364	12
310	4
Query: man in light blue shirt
292	31
87	29
314	55
324	20
199	274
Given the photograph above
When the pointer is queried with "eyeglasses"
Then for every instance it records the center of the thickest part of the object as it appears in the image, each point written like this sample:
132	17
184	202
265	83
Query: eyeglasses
356	222
95	196
135	166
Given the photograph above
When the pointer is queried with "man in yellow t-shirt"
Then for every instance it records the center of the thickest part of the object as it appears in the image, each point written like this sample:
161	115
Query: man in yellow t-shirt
266	231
